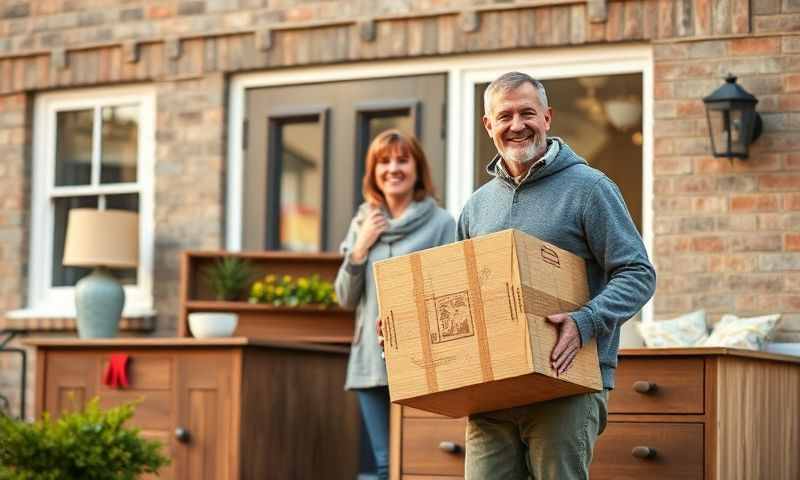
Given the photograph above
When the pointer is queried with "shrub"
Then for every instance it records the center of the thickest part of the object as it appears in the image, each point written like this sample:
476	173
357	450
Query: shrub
87	445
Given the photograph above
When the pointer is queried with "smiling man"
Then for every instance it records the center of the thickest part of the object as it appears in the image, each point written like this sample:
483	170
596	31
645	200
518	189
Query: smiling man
543	188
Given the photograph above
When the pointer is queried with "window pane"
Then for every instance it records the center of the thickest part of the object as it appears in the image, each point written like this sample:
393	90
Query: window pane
401	120
120	145
484	147
74	147
600	117
301	187
66	276
130	202
69	276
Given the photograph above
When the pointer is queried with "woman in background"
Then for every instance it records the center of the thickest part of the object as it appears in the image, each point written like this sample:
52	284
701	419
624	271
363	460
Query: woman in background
399	216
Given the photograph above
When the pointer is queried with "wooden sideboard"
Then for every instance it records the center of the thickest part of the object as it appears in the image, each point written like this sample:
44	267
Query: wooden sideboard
710	413
227	408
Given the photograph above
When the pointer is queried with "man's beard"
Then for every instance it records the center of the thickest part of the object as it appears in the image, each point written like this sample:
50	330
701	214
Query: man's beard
525	155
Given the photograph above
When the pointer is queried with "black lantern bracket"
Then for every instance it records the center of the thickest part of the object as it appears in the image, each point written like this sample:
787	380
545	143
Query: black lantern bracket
733	123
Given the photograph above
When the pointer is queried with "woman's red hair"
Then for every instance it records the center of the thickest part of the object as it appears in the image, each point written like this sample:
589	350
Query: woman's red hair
384	145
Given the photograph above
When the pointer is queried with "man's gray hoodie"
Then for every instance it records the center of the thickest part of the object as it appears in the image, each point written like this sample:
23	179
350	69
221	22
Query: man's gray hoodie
566	202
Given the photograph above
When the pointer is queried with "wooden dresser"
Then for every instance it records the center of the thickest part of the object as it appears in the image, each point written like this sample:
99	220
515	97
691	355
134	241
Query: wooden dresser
225	409
710	413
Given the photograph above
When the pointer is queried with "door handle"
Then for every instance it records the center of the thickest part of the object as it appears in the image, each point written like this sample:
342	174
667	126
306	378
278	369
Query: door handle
182	435
643	386
644	453
450	447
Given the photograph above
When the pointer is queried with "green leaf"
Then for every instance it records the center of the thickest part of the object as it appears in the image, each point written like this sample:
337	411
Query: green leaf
228	277
90	444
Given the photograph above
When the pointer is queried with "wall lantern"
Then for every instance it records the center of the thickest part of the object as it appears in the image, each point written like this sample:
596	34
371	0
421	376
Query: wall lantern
733	122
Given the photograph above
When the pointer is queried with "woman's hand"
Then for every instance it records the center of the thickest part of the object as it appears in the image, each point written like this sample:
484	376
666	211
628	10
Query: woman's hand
379	328
372	228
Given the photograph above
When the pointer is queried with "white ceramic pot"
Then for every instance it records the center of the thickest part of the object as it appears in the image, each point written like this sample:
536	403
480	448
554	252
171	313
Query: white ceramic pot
212	324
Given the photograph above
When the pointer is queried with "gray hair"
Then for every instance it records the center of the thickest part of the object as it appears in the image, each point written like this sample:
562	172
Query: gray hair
511	81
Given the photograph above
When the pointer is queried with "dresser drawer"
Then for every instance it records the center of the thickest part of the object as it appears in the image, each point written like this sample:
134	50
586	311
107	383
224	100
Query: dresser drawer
421	447
154	409
676	452
658	385
145	371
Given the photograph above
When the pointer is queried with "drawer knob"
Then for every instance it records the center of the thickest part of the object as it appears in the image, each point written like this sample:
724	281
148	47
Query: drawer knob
645	387
450	447
182	435
643	453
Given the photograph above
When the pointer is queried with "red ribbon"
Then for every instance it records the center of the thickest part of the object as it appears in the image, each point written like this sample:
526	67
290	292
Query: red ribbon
116	375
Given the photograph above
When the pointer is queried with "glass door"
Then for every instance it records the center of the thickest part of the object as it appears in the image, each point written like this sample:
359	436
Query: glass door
305	147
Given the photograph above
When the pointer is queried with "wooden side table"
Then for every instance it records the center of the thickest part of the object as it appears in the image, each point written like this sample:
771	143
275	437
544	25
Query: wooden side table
230	408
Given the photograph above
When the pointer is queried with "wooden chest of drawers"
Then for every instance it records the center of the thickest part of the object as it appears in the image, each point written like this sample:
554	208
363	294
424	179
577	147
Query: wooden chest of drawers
675	414
224	409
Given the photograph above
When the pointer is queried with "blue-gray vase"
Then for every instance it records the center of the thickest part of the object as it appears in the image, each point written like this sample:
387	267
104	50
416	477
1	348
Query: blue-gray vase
99	299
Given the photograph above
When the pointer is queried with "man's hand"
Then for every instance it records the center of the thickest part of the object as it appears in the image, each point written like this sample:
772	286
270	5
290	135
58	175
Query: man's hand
568	343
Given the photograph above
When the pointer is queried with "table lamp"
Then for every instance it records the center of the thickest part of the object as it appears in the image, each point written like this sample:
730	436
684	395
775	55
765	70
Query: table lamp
102	239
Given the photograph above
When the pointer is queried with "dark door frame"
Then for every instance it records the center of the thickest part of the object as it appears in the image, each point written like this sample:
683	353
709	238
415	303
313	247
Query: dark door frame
275	167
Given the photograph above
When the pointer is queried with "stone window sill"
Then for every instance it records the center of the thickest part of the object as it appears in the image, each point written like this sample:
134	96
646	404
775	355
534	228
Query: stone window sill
32	320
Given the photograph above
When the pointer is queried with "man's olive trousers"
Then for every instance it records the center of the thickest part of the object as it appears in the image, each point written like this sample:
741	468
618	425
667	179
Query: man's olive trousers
550	440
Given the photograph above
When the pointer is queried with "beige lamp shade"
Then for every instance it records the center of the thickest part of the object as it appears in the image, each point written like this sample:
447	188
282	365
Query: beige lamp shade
102	238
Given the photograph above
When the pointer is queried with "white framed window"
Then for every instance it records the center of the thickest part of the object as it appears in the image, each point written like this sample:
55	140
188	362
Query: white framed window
92	149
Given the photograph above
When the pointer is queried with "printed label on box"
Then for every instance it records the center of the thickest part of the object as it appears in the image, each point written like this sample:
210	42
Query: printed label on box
452	317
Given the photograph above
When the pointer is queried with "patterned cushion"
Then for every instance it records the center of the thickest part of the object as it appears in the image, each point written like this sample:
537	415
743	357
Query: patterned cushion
748	333
684	331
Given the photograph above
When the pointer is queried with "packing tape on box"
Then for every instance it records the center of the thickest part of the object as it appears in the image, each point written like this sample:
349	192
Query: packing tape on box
478	316
543	304
424	327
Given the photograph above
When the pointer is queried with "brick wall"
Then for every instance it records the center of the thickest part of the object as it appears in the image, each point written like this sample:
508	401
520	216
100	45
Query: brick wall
726	232
52	43
189	189
15	135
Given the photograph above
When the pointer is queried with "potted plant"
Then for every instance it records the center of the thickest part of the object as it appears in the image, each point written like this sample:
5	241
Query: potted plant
89	444
228	277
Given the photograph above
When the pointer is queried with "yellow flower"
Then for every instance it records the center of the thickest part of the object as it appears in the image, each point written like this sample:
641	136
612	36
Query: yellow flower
257	290
279	291
269	278
302	282
287	279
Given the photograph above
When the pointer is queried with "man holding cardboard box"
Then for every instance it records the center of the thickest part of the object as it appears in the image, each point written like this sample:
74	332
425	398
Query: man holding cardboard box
543	188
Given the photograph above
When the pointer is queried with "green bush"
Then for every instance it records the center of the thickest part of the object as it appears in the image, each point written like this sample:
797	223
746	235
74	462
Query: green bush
88	445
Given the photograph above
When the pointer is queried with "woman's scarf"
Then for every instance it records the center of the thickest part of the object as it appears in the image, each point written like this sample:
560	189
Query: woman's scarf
415	215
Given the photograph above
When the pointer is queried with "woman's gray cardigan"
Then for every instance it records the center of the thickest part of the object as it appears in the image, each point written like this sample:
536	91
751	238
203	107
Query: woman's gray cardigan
423	225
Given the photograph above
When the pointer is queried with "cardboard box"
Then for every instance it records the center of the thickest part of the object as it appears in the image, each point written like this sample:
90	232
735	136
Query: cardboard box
464	324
